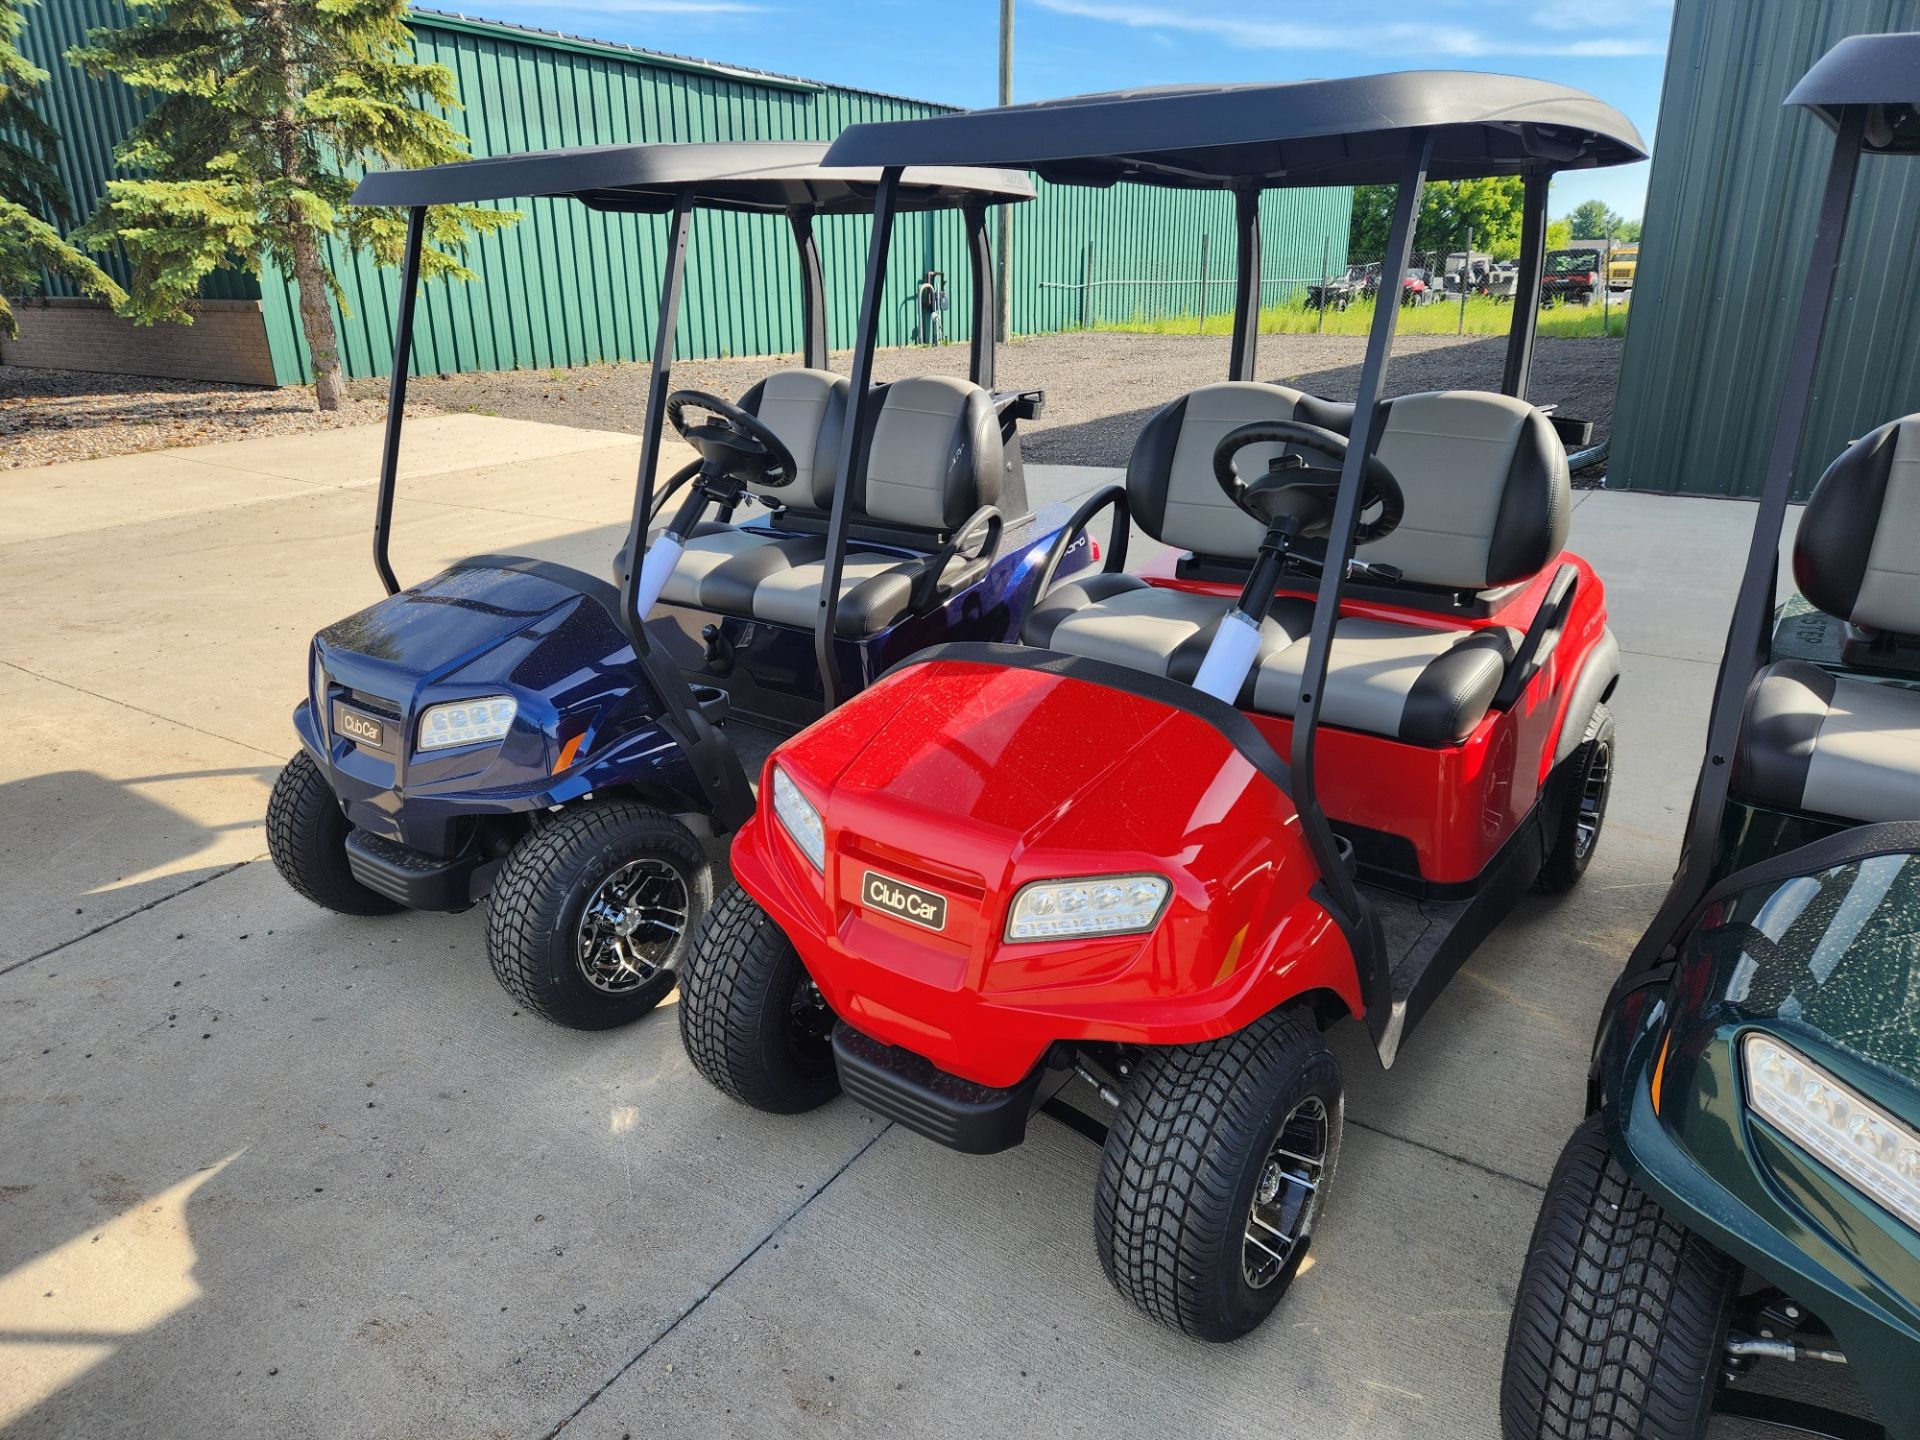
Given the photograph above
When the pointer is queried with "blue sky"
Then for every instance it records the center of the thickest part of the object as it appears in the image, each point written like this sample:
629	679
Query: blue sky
947	52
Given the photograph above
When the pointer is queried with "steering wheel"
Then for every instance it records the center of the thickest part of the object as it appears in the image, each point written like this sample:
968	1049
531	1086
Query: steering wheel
1307	494
733	442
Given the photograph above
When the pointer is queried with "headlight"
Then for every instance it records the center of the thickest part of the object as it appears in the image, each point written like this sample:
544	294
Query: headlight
466	722
1095	905
1842	1128
799	819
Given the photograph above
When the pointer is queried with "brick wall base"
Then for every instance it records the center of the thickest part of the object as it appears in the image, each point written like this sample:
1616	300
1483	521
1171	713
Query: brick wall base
227	341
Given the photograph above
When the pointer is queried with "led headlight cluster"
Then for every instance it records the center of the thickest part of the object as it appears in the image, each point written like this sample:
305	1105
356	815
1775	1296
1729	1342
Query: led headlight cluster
1834	1122
1095	905
799	819
466	722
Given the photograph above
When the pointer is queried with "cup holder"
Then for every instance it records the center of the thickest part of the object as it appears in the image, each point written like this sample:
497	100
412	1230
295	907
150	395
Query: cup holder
1347	860
713	702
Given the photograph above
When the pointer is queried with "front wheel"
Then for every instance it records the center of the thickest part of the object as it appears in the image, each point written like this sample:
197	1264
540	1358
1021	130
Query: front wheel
1620	1323
307	838
1215	1169
753	1021
592	913
1588	773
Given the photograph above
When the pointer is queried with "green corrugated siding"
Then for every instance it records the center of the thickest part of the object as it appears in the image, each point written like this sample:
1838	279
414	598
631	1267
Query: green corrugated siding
92	116
1730	218
1152	237
568	286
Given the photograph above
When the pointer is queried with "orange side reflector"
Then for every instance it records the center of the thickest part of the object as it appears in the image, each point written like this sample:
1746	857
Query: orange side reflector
1660	1071
568	751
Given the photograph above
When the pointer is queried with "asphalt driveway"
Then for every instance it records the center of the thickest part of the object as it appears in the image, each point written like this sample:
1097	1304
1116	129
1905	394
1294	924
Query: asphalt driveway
265	1170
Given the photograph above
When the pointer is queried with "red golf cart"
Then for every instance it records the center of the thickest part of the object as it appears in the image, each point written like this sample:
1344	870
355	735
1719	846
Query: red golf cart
1007	868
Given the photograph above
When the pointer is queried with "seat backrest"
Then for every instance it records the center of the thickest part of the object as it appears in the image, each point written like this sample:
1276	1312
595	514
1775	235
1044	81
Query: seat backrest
1857	552
807	409
936	455
1171	490
1488	496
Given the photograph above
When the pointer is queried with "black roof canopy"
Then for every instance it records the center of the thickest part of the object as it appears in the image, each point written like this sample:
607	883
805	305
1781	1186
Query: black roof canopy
1882	71
771	176
1309	132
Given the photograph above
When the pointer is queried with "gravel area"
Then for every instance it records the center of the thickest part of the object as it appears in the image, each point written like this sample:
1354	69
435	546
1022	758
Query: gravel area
1101	387
48	416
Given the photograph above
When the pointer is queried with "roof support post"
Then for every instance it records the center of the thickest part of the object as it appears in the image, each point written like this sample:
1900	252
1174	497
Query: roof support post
813	292
1526	291
660	378
1246	295
859	438
397	396
1747	634
1360	925
986	307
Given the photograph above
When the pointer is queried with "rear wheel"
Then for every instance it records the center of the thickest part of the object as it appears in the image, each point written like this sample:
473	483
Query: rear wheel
753	1021
1621	1318
1588	775
592	913
307	838
1215	1171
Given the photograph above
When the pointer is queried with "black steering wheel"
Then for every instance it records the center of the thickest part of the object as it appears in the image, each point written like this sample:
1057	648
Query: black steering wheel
1307	493
732	442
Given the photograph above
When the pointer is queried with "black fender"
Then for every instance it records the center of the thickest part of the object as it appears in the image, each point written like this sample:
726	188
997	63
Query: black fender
1597	679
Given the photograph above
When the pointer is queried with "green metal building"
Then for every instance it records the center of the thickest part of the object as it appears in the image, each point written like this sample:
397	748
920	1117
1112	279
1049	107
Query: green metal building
568	286
1730	214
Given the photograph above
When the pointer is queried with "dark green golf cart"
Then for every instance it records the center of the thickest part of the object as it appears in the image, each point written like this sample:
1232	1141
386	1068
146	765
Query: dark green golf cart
1746	1189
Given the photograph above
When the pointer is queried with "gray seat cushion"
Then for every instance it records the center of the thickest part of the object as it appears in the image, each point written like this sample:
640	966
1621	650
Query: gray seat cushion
1857	552
1839	746
1424	686
1171	490
1488	497
752	572
1125	621
936	458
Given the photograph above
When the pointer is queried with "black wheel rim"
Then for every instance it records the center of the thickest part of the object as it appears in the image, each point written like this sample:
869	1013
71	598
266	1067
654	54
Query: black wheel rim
632	924
1286	1194
1595	786
809	1023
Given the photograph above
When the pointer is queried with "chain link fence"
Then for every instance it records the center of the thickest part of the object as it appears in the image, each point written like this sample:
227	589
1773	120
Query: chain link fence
1459	291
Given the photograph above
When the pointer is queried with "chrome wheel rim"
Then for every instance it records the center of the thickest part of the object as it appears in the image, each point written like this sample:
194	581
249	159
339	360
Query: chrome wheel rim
631	926
1593	800
1286	1194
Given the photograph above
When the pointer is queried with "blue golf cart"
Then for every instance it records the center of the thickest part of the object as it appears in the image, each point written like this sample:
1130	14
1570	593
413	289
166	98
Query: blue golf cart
565	745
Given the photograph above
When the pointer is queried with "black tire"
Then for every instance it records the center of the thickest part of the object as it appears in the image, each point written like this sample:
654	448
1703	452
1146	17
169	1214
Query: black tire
1621	1319
1588	776
751	1019
307	838
1184	1160
541	939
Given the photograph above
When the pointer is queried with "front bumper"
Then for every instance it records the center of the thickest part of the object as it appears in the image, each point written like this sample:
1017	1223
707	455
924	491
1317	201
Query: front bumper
898	1085
418	881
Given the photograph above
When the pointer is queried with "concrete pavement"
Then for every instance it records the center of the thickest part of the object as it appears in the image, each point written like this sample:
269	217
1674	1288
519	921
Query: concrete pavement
267	1170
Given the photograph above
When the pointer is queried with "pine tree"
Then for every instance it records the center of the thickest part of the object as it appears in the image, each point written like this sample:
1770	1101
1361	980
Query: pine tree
32	199
265	111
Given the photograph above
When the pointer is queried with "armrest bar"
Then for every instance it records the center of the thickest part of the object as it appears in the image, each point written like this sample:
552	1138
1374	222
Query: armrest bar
1114	495
1020	404
1542	635
985	523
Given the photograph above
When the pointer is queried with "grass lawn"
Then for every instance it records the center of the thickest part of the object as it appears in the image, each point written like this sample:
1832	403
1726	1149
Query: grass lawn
1484	317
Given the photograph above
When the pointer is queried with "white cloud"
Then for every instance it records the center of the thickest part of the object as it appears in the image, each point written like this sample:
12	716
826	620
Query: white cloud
1399	38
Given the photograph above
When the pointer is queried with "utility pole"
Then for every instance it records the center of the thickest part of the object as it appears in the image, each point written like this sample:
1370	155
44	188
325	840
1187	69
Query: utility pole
1005	279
